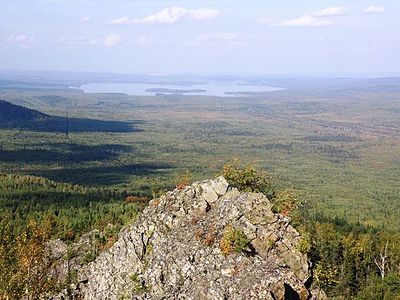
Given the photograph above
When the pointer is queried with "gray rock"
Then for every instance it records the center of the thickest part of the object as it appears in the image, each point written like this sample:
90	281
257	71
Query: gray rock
173	251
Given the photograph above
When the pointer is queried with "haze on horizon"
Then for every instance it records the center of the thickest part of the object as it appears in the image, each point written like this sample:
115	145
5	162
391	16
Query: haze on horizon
201	37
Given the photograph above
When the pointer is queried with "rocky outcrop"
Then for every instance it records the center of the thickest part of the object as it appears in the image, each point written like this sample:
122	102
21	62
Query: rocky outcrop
68	259
173	251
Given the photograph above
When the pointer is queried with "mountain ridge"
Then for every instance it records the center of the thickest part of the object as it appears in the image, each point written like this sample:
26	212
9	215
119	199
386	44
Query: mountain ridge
18	117
10	113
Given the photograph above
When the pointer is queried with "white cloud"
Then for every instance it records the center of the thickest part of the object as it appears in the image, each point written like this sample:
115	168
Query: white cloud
112	40
305	21
211	37
203	14
228	38
316	19
86	19
375	10
79	41
22	38
330	11
170	16
109	41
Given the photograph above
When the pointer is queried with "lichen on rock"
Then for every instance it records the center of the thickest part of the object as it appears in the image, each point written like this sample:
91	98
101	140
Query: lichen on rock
173	251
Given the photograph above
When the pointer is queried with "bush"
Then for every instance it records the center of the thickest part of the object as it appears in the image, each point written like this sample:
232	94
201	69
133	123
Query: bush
325	275
285	202
376	288
305	243
247	178
183	180
136	199
233	240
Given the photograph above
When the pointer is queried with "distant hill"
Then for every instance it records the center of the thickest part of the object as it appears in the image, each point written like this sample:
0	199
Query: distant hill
19	117
10	113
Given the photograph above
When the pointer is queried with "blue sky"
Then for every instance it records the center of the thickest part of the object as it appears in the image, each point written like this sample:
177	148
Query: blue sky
235	37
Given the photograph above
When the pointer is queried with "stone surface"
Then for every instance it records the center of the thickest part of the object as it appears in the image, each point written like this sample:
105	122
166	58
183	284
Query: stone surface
173	252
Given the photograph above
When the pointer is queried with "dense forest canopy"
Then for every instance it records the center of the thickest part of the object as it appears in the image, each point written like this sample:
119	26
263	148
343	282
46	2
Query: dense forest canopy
332	157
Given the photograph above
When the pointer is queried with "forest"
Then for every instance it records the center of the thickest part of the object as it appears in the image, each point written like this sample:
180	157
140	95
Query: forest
329	157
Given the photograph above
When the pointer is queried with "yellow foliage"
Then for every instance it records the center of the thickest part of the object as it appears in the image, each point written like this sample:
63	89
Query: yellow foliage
325	275
233	240
25	266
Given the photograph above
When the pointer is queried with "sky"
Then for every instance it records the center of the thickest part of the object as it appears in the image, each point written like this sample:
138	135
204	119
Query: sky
218	37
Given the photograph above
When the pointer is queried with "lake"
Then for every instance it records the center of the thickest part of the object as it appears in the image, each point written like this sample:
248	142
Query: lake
209	88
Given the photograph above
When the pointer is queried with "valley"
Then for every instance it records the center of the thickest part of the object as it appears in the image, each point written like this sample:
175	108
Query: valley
338	149
76	166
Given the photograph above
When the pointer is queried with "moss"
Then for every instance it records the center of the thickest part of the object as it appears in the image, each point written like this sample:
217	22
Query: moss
72	277
139	287
149	249
269	245
89	257
123	296
71	253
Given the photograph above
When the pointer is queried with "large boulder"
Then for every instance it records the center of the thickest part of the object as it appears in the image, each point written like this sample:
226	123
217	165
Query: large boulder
175	251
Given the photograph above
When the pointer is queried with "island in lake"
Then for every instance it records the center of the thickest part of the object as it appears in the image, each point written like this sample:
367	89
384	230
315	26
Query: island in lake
174	91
